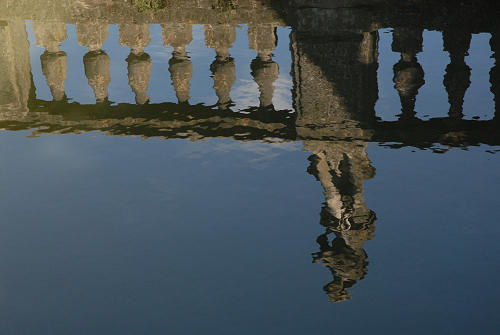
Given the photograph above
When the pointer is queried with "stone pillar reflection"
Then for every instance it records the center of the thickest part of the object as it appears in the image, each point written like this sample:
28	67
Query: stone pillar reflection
49	35
15	70
53	60
263	39
335	82
136	36
139	74
368	49
408	73
97	69
341	167
220	38
92	35
54	68
180	67
495	72
457	77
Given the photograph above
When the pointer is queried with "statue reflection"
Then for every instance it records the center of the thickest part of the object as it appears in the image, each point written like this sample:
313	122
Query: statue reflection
341	167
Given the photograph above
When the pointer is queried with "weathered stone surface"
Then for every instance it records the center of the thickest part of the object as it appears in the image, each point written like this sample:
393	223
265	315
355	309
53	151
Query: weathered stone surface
179	36
265	73
92	34
263	39
98	72
135	36
220	37
139	74
457	77
54	68
15	69
408	73
49	35
224	76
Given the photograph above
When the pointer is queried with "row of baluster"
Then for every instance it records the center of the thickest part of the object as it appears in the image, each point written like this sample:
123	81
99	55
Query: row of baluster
408	73
262	38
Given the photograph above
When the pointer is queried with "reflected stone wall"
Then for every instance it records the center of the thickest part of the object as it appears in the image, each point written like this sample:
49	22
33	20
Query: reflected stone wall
335	82
15	69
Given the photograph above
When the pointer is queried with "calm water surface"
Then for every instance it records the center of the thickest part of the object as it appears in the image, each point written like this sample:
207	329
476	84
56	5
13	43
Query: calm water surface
234	170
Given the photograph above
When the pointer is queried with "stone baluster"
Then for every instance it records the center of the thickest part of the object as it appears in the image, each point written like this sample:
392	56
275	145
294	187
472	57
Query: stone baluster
220	38
263	39
408	73
16	82
92	35
180	66
457	76
136	36
50	35
98	72
495	72
53	60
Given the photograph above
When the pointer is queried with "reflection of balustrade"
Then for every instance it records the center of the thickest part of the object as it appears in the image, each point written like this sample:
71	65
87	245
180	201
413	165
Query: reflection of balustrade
180	66
335	77
98	72
96	62
136	36
495	71
139	74
263	39
457	77
49	35
92	35
408	73
221	38
331	99
54	61
15	70
54	68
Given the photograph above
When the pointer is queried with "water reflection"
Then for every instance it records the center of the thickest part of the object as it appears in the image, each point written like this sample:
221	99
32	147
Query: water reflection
408	74
341	167
335	89
180	66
